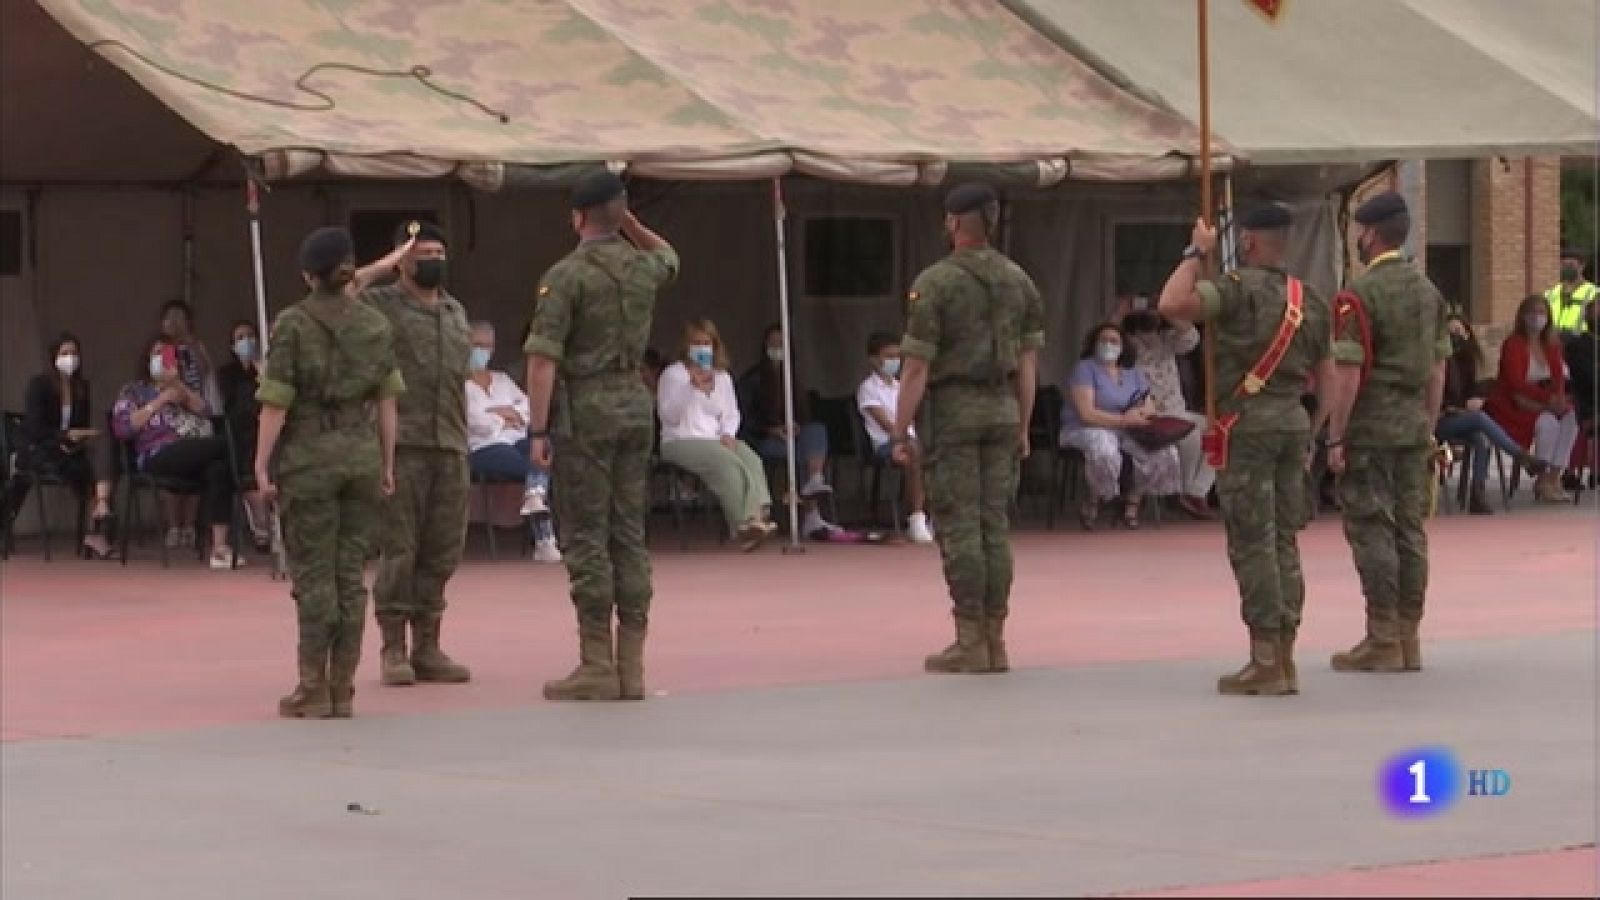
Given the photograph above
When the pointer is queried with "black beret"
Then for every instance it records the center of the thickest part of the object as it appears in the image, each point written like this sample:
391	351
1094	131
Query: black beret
1271	217
324	249
426	231
1381	208
969	197
597	189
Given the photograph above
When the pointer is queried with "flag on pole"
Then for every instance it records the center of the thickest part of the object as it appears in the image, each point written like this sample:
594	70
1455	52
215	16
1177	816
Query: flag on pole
1271	9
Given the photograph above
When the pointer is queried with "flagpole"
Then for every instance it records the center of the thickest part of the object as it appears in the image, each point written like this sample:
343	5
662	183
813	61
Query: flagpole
1206	213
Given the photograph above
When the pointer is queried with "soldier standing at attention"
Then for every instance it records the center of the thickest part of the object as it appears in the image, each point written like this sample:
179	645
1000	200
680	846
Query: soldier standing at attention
426	519
1391	340
972	341
332	360
1271	333
591	324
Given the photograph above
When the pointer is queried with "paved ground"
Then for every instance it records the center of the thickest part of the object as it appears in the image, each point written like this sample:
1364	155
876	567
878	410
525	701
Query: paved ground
798	750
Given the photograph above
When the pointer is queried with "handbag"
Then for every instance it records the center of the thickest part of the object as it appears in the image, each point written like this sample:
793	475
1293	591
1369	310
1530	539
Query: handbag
1161	431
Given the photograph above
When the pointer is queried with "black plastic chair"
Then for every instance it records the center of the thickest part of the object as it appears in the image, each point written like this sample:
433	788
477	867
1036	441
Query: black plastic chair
874	471
1069	483
675	478
37	477
482	486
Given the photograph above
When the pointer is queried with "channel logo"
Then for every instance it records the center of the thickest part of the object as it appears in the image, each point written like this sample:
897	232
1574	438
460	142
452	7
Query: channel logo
1427	781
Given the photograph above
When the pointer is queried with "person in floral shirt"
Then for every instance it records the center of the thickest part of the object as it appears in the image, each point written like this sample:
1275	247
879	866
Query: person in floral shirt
168	423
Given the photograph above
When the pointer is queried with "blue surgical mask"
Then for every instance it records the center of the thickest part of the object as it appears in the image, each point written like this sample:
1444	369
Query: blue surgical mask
891	367
245	348
158	368
702	355
479	359
1109	352
775	354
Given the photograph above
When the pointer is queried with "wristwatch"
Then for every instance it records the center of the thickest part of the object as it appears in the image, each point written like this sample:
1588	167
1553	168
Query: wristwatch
1193	252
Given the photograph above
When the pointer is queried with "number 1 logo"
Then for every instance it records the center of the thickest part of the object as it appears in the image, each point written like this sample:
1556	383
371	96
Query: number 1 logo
1424	781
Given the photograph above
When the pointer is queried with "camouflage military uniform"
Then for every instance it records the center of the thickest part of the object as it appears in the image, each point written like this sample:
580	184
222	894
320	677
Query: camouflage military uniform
1262	489
1389	455
592	317
972	314
426	519
330	360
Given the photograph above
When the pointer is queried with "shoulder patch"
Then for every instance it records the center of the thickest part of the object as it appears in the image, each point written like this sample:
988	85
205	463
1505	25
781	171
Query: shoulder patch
544	290
1234	275
914	296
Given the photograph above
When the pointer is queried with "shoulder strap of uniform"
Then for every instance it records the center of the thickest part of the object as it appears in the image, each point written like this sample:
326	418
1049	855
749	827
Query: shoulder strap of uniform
1293	315
1348	309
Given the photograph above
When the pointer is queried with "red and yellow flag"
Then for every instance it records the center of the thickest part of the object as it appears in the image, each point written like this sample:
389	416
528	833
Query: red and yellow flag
1271	9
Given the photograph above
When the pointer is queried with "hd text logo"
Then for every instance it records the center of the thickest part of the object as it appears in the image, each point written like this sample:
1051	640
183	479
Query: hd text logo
1427	781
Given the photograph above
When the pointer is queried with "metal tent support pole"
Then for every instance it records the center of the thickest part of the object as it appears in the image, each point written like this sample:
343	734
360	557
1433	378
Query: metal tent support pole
779	214
253	207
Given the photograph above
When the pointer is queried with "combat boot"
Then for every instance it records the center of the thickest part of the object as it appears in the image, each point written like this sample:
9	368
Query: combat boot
969	652
342	663
994	632
428	662
1410	647
1379	651
396	667
1263	675
595	678
1291	677
310	699
630	662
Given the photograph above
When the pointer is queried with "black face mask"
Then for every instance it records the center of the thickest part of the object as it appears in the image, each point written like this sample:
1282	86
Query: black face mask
338	278
429	273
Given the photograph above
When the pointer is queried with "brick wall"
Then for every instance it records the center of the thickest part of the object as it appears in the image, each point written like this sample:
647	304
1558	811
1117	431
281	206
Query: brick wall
1501	275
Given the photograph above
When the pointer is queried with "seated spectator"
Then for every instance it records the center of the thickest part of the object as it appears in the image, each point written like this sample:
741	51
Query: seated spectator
56	437
237	382
497	438
764	424
1157	344
1463	421
877	399
1530	396
1106	396
169	425
699	432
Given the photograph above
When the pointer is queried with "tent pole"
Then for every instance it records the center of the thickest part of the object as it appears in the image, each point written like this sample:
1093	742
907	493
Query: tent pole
188	246
253	206
779	213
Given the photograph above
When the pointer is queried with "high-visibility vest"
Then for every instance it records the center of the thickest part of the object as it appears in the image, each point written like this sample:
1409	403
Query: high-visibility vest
1567	314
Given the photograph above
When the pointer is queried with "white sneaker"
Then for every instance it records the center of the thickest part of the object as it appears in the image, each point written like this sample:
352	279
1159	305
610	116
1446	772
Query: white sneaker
545	550
224	559
917	529
533	502
814	522
816	485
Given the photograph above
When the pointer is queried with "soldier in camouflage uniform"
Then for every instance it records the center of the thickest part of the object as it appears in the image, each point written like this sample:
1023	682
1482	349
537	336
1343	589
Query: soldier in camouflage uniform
1381	433
974	329
426	519
1261	485
332	360
591	322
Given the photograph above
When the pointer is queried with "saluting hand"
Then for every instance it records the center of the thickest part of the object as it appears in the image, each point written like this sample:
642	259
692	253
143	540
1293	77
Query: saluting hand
1203	236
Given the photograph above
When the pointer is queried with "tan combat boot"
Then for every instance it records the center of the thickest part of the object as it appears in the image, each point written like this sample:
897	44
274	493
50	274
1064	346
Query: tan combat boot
342	663
969	653
310	698
1379	651
428	662
595	678
1263	675
630	662
1410	646
994	631
396	667
1291	677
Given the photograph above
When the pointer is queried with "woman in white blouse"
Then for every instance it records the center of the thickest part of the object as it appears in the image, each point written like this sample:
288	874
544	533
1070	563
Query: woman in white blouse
497	438
699	427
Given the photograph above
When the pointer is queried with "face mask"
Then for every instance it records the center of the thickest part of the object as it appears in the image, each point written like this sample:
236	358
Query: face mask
702	355
66	364
1109	353
775	354
479	359
245	348
429	273
1537	322
1570	273
339	278
891	367
158	368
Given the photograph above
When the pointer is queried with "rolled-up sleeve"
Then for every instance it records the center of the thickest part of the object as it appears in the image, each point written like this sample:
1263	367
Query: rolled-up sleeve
552	318
923	325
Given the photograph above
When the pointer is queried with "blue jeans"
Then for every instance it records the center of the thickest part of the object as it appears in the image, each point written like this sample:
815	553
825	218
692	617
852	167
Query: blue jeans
1477	430
811	441
509	462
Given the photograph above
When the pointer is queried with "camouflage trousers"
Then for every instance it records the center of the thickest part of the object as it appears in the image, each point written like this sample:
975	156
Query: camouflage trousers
424	531
1264	506
1384	493
601	491
330	515
972	477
